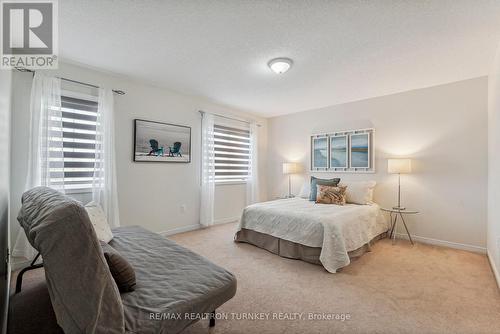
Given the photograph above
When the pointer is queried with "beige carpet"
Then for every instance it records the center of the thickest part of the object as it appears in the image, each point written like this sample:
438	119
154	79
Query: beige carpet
393	289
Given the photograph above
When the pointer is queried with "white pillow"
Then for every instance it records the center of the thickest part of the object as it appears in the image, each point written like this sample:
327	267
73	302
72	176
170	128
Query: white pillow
305	190
99	221
359	192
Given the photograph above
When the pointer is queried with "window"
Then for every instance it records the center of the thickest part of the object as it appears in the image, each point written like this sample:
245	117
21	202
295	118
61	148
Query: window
73	170
232	154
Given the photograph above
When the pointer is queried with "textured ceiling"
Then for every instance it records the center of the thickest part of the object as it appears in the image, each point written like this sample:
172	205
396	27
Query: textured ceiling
342	50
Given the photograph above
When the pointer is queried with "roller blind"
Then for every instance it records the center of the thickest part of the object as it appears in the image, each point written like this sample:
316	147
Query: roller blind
232	154
74	169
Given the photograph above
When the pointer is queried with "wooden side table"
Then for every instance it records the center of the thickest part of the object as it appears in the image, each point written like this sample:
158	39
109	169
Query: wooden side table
394	221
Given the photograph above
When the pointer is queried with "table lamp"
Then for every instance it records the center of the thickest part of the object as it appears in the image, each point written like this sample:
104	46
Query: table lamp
399	166
290	168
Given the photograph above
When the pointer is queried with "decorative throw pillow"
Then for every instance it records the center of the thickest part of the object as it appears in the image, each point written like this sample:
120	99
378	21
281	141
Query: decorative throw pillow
359	192
99	221
325	182
121	270
331	195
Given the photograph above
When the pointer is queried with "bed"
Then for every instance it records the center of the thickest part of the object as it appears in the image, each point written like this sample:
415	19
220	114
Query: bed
324	234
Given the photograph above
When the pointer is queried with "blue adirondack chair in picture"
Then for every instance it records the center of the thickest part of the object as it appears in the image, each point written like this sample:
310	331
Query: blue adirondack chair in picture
175	150
154	146
155	150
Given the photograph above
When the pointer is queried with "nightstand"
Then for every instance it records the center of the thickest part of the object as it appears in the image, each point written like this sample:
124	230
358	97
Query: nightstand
394	214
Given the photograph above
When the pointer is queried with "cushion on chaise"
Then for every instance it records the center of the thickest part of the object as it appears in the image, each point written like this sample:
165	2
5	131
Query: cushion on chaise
121	270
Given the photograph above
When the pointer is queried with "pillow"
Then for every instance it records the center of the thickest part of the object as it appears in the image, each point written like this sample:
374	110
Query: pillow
331	195
305	191
360	192
315	182
121	270
98	220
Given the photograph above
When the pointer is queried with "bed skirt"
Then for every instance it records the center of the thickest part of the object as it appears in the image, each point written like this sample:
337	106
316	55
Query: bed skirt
293	250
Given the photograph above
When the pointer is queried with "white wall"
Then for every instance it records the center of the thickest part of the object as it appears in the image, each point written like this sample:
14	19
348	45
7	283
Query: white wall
443	129
493	241
5	114
229	211
150	194
19	138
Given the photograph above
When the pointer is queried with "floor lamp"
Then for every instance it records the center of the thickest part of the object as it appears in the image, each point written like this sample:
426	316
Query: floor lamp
399	166
290	168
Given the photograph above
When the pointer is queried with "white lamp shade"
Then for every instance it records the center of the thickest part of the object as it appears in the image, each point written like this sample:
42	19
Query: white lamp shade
291	168
399	166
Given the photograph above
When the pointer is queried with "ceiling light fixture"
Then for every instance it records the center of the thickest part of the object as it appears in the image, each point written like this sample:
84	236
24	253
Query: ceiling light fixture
280	65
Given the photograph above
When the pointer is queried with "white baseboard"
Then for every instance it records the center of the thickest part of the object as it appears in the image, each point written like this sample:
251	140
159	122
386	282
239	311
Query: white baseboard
227	220
180	230
494	269
197	226
444	243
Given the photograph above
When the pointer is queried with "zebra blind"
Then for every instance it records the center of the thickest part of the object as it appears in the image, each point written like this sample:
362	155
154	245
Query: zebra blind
73	170
232	154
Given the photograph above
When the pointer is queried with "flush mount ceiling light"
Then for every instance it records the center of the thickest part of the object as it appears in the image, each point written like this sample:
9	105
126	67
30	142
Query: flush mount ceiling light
280	65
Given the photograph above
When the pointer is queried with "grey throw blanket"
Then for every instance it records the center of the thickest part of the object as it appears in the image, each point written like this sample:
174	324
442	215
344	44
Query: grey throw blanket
83	294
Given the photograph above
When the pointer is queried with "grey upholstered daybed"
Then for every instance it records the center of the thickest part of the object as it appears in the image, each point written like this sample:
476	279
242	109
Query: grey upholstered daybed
175	287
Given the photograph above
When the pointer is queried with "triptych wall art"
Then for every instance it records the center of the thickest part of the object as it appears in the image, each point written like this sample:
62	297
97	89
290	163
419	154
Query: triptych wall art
343	151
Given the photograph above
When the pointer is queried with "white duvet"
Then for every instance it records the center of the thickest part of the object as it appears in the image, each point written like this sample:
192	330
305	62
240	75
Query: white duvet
337	229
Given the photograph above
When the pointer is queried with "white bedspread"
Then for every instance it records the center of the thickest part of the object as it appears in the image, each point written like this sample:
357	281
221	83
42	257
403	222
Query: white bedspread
337	229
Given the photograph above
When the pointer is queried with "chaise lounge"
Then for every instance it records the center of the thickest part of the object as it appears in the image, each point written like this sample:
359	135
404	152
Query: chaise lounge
174	286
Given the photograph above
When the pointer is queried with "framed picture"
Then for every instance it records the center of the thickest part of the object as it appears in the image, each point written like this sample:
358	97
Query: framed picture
360	150
161	142
338	152
346	151
320	152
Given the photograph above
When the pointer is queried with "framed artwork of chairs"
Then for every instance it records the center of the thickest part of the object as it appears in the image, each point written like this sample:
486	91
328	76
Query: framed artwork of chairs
161	142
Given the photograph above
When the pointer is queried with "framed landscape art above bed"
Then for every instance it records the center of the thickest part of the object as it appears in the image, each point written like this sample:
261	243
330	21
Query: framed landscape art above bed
349	151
